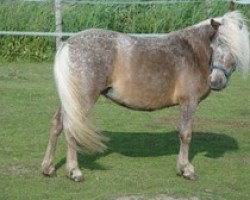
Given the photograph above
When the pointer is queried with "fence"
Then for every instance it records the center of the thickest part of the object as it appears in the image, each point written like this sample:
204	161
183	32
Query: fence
58	19
58	28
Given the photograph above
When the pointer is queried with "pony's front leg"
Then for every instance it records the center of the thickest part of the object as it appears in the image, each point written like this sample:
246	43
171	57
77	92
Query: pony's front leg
74	172
184	167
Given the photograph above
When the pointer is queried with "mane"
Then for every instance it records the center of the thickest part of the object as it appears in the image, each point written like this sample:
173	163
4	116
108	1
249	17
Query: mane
234	33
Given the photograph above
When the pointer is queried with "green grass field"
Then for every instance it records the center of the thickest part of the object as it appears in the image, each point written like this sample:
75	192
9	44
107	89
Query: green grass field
142	152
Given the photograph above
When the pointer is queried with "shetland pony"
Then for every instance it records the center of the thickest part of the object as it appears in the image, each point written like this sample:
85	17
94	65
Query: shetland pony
142	73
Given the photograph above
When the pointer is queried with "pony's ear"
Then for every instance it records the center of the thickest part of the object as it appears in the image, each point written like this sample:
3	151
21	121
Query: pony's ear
215	24
232	6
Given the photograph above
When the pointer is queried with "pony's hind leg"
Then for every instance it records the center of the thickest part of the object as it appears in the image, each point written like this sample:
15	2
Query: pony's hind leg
72	167
57	126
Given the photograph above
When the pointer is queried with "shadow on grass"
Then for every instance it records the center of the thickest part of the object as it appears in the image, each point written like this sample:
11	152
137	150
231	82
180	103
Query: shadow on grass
146	144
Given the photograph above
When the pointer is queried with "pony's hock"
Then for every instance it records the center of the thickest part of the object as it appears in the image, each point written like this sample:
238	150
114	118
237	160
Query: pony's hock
142	73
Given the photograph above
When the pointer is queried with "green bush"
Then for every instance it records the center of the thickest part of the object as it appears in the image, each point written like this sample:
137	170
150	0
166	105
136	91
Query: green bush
134	18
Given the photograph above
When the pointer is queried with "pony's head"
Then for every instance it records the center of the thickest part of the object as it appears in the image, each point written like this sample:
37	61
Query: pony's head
230	47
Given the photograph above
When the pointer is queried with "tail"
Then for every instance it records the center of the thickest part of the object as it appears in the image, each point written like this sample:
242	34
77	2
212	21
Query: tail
74	116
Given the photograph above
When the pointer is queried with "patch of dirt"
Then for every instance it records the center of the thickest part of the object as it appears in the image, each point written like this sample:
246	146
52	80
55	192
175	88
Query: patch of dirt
244	112
231	123
130	197
246	160
159	197
18	168
162	121
199	122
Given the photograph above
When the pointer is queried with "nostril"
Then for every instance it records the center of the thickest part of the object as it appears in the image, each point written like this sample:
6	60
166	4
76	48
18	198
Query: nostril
220	81
214	83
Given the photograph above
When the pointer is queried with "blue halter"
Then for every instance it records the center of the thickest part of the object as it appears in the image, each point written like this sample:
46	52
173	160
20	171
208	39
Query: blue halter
226	72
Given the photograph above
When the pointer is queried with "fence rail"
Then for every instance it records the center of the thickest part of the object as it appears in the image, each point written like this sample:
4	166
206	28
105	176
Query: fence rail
65	34
46	34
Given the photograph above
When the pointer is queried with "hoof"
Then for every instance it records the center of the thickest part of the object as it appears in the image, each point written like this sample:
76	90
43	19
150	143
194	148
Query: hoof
49	171
191	176
188	172
76	175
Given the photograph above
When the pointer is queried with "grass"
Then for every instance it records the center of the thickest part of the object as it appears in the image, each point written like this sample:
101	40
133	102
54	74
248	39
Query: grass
143	150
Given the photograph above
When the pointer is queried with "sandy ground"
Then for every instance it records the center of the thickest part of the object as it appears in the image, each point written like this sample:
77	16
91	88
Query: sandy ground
159	197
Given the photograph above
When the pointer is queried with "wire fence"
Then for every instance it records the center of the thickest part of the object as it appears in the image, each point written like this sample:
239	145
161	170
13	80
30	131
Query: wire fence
36	19
103	2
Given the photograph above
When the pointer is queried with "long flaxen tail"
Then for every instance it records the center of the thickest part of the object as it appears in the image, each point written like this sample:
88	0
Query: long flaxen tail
71	95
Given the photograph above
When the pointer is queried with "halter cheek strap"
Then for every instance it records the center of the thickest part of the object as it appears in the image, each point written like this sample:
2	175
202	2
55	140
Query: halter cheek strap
226	72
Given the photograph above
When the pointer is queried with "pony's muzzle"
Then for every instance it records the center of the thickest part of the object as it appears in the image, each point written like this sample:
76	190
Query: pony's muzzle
217	81
217	85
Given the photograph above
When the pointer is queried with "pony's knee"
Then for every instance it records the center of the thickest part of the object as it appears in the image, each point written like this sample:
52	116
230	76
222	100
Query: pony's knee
185	137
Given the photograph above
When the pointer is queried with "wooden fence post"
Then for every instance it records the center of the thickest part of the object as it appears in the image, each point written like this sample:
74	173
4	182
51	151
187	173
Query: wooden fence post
58	19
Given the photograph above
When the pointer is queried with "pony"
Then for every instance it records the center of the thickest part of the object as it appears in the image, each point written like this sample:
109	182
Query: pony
142	73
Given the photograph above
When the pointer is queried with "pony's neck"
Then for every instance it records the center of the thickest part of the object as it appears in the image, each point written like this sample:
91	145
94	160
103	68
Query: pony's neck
199	38
202	34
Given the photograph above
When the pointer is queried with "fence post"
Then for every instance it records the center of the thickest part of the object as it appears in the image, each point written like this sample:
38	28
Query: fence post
208	6
58	19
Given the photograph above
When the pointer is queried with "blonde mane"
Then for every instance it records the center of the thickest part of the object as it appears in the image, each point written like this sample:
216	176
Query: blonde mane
234	33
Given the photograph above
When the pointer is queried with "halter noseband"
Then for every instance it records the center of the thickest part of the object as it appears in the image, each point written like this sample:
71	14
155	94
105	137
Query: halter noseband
226	72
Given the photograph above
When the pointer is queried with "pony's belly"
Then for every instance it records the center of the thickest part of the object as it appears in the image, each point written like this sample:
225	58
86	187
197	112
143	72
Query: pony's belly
139	100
